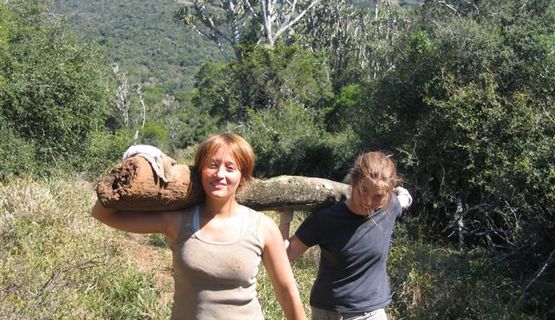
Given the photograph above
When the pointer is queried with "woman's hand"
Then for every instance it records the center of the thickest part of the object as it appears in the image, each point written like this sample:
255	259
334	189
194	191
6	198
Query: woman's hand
405	199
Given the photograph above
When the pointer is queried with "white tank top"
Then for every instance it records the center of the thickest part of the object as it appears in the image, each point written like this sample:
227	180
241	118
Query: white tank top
216	280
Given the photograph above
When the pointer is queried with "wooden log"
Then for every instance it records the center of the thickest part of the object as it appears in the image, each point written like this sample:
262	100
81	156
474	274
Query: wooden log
284	193
132	185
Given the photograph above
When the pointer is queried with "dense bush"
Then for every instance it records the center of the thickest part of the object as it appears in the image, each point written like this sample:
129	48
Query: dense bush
17	154
439	283
103	151
53	90
264	78
464	128
289	141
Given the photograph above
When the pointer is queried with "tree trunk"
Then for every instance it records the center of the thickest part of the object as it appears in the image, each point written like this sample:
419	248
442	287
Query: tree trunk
132	185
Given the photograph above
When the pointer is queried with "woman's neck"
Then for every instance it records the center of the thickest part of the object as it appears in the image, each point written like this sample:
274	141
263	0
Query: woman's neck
223	209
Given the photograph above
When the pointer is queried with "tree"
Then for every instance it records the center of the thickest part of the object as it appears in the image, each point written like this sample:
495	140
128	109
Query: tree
264	78
54	92
358	42
225	22
467	107
279	16
291	140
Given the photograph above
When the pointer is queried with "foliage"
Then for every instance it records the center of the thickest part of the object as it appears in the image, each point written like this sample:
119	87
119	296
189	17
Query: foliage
54	93
216	91
103	151
231	26
439	283
155	135
17	154
289	141
468	128
191	126
357	43
265	77
143	37
156	53
275	75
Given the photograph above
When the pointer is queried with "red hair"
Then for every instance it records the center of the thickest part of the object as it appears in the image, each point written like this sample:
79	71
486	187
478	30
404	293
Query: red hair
239	147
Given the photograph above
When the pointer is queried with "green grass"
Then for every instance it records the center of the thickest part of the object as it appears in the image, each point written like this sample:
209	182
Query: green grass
304	269
56	262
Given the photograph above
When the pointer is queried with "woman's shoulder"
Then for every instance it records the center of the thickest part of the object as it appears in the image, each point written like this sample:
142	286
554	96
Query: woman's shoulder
394	206
336	208
261	224
253	216
178	221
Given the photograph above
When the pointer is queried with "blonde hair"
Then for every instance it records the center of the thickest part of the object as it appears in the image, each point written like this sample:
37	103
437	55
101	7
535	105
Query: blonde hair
377	168
239	147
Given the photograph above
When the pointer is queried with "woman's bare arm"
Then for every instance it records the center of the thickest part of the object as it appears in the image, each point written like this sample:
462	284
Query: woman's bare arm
295	248
164	222
279	269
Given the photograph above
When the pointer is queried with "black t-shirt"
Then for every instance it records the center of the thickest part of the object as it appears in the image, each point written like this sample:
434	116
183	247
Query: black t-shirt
352	273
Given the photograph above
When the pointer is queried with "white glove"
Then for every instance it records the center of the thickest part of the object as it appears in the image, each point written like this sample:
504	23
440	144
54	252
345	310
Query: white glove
158	160
404	197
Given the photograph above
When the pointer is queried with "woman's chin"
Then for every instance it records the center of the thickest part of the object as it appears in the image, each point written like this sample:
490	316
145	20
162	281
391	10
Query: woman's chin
219	194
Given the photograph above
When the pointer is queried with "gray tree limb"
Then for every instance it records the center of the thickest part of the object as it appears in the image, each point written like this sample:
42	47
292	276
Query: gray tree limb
133	185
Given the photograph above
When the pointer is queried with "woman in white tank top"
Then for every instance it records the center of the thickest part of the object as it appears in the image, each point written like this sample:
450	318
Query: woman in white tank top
218	245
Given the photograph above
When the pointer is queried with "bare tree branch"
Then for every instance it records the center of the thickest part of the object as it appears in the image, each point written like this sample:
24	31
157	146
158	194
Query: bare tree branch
549	261
122	102
225	20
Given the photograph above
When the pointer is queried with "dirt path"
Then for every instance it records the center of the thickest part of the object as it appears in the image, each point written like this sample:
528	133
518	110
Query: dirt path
152	260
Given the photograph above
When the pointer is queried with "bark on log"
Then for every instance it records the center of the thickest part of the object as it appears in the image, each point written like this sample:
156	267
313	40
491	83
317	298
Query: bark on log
132	185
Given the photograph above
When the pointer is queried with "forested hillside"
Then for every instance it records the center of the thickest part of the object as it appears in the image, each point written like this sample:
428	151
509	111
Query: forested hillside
152	47
144	37
460	93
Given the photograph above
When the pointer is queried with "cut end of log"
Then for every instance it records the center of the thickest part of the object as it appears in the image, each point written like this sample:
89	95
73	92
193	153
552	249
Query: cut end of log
118	179
133	185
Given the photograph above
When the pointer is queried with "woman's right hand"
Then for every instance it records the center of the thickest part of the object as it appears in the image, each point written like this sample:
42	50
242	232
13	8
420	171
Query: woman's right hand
405	199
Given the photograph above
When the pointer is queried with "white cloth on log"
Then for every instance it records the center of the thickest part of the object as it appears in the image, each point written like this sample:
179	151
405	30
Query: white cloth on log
158	160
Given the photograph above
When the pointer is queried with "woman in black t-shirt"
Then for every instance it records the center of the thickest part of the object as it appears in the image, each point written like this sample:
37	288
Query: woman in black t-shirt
354	237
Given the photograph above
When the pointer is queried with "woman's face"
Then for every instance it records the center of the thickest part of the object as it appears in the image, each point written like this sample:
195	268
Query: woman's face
221	176
366	197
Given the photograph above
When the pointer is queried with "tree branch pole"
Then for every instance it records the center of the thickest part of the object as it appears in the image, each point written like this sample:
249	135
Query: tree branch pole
132	185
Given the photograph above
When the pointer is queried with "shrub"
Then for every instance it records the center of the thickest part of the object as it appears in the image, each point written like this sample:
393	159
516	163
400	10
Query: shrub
17	156
155	135
103	151
287	140
430	282
54	91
